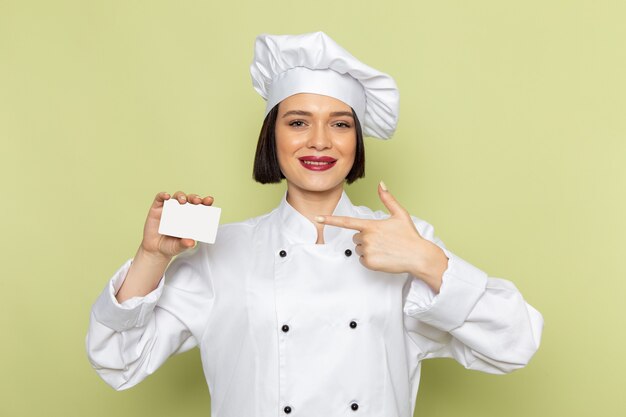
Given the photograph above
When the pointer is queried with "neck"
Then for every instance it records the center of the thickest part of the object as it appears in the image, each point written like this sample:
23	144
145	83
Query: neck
314	203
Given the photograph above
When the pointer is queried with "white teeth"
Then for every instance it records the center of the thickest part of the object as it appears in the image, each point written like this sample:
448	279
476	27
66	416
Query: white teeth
316	163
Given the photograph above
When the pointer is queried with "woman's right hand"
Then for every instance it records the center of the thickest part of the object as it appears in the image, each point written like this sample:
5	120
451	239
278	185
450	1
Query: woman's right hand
156	250
162	246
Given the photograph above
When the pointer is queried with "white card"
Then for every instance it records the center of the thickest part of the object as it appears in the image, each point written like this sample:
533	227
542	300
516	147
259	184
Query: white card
191	221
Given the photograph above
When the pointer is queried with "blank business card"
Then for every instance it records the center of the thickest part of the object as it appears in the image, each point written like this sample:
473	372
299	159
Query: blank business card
191	221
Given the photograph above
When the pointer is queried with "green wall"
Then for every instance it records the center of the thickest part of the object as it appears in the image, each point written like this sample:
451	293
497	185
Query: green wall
512	143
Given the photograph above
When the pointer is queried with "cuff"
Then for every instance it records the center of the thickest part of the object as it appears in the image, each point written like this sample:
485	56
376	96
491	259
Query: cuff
133	312
462	286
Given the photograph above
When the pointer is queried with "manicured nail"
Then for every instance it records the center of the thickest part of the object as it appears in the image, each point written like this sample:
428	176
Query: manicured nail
319	219
383	186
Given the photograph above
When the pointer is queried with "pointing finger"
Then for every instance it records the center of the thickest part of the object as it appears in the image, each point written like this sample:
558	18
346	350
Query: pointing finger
344	221
390	201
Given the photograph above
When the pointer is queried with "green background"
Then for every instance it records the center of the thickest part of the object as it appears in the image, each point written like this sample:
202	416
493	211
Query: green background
511	143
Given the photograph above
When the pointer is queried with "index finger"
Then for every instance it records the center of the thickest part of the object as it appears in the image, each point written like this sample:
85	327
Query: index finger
344	221
160	198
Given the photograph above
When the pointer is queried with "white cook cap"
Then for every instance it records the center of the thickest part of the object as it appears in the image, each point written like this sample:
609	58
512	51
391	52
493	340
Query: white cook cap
285	65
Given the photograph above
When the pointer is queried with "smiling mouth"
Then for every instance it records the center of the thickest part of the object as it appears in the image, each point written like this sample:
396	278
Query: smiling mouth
317	163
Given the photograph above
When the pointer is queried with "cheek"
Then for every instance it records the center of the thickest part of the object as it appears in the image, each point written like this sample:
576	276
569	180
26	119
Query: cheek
285	149
348	150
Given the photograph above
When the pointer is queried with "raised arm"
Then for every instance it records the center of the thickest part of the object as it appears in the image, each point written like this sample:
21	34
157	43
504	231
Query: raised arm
147	313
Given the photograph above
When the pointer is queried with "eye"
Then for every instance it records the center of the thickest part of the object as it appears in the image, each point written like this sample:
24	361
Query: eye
296	123
343	125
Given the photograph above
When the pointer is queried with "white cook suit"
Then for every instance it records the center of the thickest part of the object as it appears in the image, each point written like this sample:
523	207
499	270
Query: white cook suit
289	327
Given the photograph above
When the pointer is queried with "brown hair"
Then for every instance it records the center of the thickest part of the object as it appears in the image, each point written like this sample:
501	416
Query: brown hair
266	168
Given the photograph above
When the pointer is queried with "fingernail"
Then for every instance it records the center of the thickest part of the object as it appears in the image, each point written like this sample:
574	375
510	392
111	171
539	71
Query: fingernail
319	219
182	197
383	186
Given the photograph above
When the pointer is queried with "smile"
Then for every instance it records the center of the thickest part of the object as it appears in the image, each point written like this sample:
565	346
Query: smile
317	163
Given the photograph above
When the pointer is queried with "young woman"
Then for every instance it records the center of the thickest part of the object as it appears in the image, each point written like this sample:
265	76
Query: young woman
319	308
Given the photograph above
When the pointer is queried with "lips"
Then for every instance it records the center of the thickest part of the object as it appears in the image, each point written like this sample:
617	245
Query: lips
317	163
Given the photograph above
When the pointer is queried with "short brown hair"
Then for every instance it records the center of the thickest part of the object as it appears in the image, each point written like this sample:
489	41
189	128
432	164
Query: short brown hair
266	168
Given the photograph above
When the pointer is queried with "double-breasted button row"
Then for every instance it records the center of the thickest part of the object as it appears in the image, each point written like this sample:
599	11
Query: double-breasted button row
285	328
353	406
283	253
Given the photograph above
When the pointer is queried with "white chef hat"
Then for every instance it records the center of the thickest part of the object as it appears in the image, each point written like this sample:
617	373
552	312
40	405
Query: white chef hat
285	65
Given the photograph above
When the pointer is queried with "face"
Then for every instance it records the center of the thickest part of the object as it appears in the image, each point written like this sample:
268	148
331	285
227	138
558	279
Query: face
315	141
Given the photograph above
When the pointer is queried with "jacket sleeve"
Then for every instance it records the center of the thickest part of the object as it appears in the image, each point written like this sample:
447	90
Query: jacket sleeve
482	322
127	342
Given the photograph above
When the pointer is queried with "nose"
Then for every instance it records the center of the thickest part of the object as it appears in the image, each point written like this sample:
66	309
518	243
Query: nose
319	138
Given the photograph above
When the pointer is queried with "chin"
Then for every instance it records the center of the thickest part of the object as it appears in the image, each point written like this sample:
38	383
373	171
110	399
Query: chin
318	186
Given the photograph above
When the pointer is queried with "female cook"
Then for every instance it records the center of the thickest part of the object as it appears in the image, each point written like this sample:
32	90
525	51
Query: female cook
319	308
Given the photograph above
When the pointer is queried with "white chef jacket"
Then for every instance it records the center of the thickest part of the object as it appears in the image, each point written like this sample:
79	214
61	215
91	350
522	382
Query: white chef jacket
289	327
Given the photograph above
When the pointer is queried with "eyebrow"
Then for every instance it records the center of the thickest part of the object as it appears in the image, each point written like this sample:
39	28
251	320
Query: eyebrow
309	114
341	113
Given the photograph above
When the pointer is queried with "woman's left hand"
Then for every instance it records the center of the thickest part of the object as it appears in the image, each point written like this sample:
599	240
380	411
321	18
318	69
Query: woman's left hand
394	245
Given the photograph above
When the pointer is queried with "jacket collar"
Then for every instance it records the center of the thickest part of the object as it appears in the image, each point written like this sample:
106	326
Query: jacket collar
299	229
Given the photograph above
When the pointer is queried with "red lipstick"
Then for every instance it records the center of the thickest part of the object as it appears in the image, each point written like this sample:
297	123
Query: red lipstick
317	163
